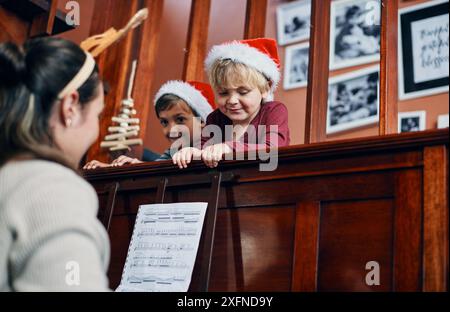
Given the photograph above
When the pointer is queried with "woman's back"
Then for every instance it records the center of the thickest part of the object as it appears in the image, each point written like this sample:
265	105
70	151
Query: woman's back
50	237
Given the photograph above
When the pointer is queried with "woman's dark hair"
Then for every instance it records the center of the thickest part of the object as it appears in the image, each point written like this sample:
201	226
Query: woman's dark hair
31	77
167	101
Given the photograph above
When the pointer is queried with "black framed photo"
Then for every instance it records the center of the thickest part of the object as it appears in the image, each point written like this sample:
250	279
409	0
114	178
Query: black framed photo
355	32
412	121
293	21
353	99
423	49
296	66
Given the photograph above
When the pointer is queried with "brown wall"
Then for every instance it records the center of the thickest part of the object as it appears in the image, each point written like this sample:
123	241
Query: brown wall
296	99
227	23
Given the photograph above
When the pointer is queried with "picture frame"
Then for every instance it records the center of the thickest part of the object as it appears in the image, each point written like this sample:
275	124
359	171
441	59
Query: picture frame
355	32
353	99
293	21
411	121
296	66
422	56
442	121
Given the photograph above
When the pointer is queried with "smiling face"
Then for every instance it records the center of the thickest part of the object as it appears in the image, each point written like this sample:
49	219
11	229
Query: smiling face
241	104
240	90
178	120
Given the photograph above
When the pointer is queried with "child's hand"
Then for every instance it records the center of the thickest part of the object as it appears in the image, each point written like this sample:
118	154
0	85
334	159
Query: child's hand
93	164
184	156
213	154
122	160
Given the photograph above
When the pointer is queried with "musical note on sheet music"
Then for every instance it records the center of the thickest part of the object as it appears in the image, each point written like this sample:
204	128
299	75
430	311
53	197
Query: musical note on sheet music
163	247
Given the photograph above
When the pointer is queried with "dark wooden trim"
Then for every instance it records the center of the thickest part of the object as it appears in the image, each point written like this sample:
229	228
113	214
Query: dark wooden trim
306	247
52	16
309	151
42	24
161	191
255	19
318	72
407	245
109	211
435	210
197	40
388	66
209	232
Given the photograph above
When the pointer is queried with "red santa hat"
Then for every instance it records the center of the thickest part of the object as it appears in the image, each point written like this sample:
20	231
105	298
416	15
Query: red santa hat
198	95
261	54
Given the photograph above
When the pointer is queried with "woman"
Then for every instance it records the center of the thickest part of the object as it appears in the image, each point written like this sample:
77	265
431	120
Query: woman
51	97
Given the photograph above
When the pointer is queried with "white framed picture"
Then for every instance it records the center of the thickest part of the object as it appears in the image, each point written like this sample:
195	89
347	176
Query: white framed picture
442	121
293	21
354	32
353	99
296	66
423	49
412	121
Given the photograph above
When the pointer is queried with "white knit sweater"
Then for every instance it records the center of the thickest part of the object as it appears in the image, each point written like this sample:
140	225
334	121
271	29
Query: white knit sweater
50	238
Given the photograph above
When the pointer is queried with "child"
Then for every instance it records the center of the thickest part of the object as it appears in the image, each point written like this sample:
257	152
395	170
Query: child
244	74
177	104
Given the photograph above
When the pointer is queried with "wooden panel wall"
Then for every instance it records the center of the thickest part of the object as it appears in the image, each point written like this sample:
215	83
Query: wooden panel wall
316	222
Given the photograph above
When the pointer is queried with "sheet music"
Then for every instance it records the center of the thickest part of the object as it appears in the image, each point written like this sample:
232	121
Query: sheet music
163	247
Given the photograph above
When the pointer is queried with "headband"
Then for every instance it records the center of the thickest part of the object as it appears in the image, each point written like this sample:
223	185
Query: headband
80	78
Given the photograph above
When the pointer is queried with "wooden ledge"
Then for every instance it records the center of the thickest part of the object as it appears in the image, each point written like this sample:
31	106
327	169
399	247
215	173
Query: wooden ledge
321	150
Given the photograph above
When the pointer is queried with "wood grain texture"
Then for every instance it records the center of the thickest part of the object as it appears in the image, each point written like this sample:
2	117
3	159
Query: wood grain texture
43	23
41	17
146	43
255	19
408	231
354	233
371	193
107	14
318	72
197	40
435	210
141	44
12	28
388	68
306	243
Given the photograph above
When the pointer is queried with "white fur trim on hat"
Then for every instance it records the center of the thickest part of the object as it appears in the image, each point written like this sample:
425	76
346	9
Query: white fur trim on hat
193	97
245	54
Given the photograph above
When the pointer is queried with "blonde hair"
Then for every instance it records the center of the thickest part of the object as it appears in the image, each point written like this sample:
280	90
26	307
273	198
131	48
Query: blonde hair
227	73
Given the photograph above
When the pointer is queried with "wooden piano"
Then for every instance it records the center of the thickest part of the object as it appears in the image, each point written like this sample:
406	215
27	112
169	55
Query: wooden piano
315	222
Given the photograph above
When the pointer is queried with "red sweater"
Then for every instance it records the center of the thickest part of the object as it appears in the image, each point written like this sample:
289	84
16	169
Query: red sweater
270	113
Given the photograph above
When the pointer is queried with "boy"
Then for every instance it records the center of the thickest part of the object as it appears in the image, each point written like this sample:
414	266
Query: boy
244	74
180	107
